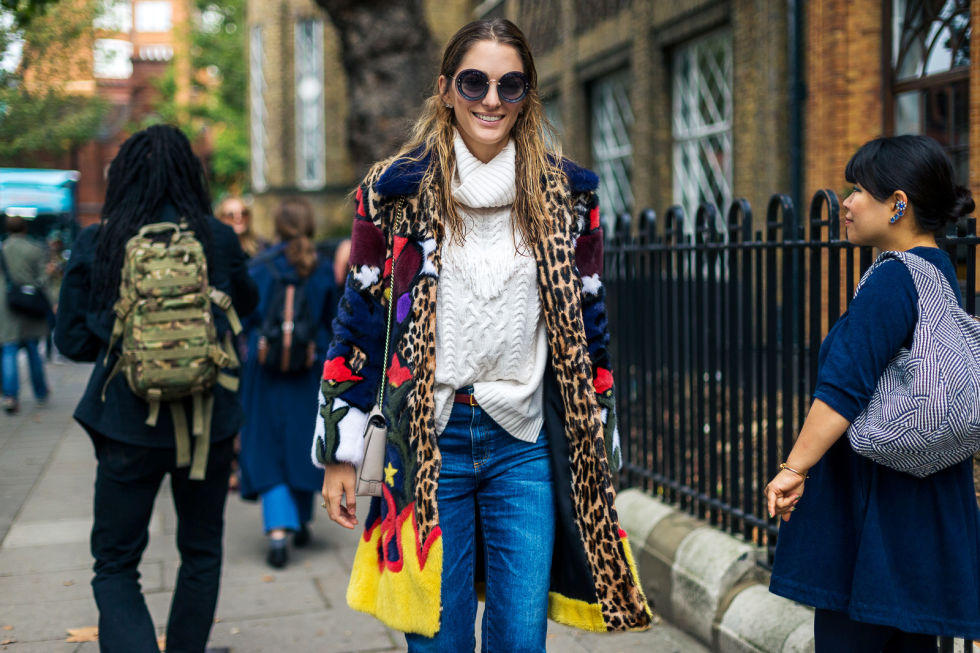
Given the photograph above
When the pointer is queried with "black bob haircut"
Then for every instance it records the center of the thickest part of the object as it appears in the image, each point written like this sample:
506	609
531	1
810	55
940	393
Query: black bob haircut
920	167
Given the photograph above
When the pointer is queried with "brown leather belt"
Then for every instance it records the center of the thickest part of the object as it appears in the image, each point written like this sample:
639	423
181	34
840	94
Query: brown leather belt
465	398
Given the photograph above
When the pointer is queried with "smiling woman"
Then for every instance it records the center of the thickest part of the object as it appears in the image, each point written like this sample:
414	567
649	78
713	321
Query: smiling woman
497	382
485	111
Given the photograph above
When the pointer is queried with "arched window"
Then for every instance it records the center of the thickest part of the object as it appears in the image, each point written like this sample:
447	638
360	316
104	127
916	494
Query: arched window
930	71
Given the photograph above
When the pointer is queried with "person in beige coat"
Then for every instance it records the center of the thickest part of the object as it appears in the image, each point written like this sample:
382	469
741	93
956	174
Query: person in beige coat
25	261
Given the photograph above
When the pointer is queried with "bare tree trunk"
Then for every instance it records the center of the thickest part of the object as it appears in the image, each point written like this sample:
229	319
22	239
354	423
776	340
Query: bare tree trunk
389	58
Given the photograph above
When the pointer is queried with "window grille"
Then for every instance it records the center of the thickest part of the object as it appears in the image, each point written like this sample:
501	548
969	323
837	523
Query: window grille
310	138
612	149
257	109
702	124
930	73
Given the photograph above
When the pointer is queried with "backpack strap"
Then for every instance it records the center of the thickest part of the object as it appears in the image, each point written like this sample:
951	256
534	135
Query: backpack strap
203	406
182	438
153	399
223	301
202	445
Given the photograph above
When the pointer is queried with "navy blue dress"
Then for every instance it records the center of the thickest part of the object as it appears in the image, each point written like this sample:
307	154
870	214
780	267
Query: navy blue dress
879	545
280	411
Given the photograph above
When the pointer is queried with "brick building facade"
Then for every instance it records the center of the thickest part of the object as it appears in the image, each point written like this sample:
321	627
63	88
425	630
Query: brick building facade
130	46
298	107
681	102
708	100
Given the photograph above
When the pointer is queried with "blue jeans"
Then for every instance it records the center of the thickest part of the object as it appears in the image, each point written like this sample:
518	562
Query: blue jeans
283	507
505	483
127	480
11	375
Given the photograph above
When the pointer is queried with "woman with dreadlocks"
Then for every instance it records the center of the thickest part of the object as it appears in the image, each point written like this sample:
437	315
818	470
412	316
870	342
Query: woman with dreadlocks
154	178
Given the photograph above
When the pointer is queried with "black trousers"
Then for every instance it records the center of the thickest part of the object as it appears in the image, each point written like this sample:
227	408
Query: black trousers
835	632
126	485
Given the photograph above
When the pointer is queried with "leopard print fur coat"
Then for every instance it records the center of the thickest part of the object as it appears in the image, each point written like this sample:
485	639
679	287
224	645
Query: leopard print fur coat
396	573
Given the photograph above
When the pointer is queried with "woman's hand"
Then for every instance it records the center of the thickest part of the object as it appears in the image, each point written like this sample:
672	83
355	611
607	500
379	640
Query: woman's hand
339	483
782	493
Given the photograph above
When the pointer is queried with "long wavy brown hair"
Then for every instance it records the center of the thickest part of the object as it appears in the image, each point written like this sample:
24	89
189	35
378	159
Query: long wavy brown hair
294	226
433	132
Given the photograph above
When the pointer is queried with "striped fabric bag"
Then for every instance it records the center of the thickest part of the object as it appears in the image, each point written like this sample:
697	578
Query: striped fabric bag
924	415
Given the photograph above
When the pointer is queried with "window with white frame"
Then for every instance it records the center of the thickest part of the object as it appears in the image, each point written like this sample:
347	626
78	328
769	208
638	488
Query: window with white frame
113	59
310	138
612	149
154	16
702	124
930	74
257	112
115	16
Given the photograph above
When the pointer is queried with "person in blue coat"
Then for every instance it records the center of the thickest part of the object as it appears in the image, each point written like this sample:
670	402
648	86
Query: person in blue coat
280	406
888	560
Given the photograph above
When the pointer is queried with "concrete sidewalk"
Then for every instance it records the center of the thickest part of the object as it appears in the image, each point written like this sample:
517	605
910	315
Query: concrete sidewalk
47	471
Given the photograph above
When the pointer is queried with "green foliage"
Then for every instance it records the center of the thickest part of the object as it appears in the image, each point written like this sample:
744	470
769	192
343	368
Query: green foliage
217	104
36	113
25	11
51	122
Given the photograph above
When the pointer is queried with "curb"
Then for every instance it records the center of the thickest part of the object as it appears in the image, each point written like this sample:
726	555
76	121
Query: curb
709	583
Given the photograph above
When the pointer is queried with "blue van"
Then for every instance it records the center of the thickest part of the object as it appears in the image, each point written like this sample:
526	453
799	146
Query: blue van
47	199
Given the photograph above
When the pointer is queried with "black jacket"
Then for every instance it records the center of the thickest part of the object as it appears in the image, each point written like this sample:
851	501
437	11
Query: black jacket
82	333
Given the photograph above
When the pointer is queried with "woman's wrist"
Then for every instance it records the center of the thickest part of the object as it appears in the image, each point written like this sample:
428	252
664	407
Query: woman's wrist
799	470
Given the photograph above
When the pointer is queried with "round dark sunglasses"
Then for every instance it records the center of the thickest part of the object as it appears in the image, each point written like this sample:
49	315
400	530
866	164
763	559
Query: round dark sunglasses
473	85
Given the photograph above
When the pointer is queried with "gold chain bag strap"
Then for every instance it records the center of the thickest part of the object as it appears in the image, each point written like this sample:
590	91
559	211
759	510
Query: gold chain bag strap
370	475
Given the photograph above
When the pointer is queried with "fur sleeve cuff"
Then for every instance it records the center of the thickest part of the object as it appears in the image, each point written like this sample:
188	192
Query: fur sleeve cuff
339	433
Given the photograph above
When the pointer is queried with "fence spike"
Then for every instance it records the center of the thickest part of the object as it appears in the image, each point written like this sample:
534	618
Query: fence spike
780	202
826	197
622	228
706	221
740	208
674	223
647	224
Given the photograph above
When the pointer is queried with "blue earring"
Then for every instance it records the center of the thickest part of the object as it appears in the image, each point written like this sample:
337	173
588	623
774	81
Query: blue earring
900	207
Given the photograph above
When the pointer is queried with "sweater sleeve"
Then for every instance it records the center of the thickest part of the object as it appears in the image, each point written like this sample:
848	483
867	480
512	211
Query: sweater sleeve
352	370
878	322
589	261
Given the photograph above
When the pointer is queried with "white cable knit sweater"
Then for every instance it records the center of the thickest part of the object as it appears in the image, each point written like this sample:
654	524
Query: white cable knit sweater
489	330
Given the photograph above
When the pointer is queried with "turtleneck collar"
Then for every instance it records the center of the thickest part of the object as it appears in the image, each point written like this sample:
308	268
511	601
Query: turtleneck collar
483	185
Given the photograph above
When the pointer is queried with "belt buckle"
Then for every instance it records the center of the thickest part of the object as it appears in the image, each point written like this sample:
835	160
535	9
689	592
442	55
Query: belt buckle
472	402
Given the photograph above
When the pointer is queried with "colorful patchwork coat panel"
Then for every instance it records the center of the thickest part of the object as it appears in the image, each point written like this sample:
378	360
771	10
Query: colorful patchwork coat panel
397	567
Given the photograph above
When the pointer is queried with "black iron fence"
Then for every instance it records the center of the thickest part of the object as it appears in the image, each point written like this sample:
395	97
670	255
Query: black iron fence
716	336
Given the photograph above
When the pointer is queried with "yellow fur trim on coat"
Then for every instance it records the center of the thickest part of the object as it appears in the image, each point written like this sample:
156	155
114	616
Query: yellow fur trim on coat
403	596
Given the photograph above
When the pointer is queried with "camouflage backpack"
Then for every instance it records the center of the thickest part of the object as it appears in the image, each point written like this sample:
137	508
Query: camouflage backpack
170	348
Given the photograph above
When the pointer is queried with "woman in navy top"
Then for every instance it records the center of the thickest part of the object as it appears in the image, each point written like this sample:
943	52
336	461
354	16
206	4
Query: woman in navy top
888	560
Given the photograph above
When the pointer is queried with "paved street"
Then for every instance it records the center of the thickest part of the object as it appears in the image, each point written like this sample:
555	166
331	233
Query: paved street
46	478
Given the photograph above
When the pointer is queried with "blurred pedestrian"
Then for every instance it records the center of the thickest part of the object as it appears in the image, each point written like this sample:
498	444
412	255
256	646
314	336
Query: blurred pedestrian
23	265
155	177
236	214
889	560
484	250
298	287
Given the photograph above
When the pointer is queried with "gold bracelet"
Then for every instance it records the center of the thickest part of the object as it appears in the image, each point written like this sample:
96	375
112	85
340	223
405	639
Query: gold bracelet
795	471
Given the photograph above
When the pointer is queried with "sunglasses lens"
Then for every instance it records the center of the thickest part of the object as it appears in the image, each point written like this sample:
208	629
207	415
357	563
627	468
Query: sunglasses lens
512	87
472	84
